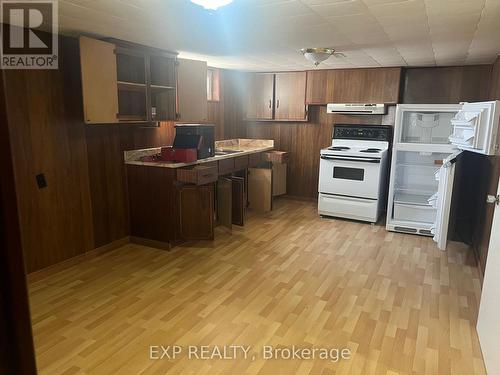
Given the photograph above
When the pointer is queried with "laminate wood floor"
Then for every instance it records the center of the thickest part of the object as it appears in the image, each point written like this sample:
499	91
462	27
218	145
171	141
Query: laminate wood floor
288	278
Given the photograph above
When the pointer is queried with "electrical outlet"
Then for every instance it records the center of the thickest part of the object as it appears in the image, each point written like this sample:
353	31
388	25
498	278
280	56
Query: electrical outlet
41	181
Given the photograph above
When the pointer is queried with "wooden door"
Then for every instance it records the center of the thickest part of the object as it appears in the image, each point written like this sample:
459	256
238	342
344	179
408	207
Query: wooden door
488	324
192	104
260	96
99	81
238	200
225	202
290	96
196	212
260	189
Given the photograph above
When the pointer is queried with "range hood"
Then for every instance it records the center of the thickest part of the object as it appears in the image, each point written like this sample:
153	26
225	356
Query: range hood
356	108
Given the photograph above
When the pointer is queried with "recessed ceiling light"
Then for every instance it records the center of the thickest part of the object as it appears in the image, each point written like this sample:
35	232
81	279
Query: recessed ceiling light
212	4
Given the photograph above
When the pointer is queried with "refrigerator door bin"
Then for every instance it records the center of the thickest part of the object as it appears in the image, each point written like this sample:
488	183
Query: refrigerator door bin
475	127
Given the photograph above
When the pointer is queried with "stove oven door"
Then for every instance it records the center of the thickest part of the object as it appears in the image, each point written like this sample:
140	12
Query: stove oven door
350	176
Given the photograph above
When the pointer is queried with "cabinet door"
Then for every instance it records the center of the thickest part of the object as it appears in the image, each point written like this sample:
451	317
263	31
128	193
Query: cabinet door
162	88
317	86
191	91
260	96
379	85
260	189
196	206
224	202
290	96
238	200
99	81
279	179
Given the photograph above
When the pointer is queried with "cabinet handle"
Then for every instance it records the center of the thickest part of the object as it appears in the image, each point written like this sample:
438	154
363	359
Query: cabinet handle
278	104
270	103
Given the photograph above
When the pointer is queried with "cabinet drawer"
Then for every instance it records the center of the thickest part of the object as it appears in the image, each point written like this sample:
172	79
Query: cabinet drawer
199	174
276	156
241	162
254	160
226	166
410	212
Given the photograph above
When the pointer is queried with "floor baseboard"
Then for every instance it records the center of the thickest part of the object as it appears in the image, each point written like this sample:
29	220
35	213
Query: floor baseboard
44	272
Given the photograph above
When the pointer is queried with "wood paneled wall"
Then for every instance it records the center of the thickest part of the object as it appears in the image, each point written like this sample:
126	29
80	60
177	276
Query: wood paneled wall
489	173
446	84
305	140
84	205
227	113
107	180
44	110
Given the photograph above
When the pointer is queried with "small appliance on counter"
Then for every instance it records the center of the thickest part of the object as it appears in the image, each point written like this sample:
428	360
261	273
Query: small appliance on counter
184	150
206	148
353	172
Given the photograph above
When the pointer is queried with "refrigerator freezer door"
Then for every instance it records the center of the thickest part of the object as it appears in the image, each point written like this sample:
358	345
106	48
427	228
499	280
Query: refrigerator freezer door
442	201
475	127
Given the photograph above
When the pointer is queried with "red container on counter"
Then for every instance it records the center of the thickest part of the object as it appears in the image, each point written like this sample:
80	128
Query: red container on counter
179	155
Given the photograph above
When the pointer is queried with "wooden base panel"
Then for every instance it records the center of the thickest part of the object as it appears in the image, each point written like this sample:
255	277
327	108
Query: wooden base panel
150	243
51	270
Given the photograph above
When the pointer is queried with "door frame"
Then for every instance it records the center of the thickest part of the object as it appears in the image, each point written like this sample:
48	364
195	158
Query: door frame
488	325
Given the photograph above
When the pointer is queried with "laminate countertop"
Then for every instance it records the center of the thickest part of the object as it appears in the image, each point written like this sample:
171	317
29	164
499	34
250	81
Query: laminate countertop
242	146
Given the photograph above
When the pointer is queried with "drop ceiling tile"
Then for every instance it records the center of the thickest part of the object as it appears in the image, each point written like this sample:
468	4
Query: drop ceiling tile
340	9
387	32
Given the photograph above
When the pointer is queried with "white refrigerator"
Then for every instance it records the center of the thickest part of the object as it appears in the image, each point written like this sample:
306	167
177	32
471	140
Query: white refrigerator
427	140
422	170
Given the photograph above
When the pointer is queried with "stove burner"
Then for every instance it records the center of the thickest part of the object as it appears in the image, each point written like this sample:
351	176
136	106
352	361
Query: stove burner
339	148
371	150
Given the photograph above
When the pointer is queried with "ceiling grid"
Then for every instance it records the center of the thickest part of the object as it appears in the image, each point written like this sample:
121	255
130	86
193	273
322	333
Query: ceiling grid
264	35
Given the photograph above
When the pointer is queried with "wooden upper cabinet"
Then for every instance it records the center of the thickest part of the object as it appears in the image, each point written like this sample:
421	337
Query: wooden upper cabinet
290	92
126	83
260	96
374	85
316	91
192	91
99	81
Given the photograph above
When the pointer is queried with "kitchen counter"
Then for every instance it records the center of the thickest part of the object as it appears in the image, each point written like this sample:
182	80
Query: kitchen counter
236	148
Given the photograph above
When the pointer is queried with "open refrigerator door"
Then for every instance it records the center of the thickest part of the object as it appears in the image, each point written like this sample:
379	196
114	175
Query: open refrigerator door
441	200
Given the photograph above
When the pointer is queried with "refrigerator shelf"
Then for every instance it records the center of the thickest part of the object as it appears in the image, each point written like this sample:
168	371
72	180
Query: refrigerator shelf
411	198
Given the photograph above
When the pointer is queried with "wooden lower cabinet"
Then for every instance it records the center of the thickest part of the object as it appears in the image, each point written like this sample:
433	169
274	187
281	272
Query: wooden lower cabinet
172	205
196	212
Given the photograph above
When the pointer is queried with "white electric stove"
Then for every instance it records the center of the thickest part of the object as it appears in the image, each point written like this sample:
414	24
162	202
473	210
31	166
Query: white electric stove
353	172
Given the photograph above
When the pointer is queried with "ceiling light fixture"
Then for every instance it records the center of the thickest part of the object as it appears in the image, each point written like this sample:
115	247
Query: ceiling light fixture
317	55
212	4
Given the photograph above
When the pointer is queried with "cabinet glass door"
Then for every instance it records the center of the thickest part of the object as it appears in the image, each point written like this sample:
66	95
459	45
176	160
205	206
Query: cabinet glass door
427	127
